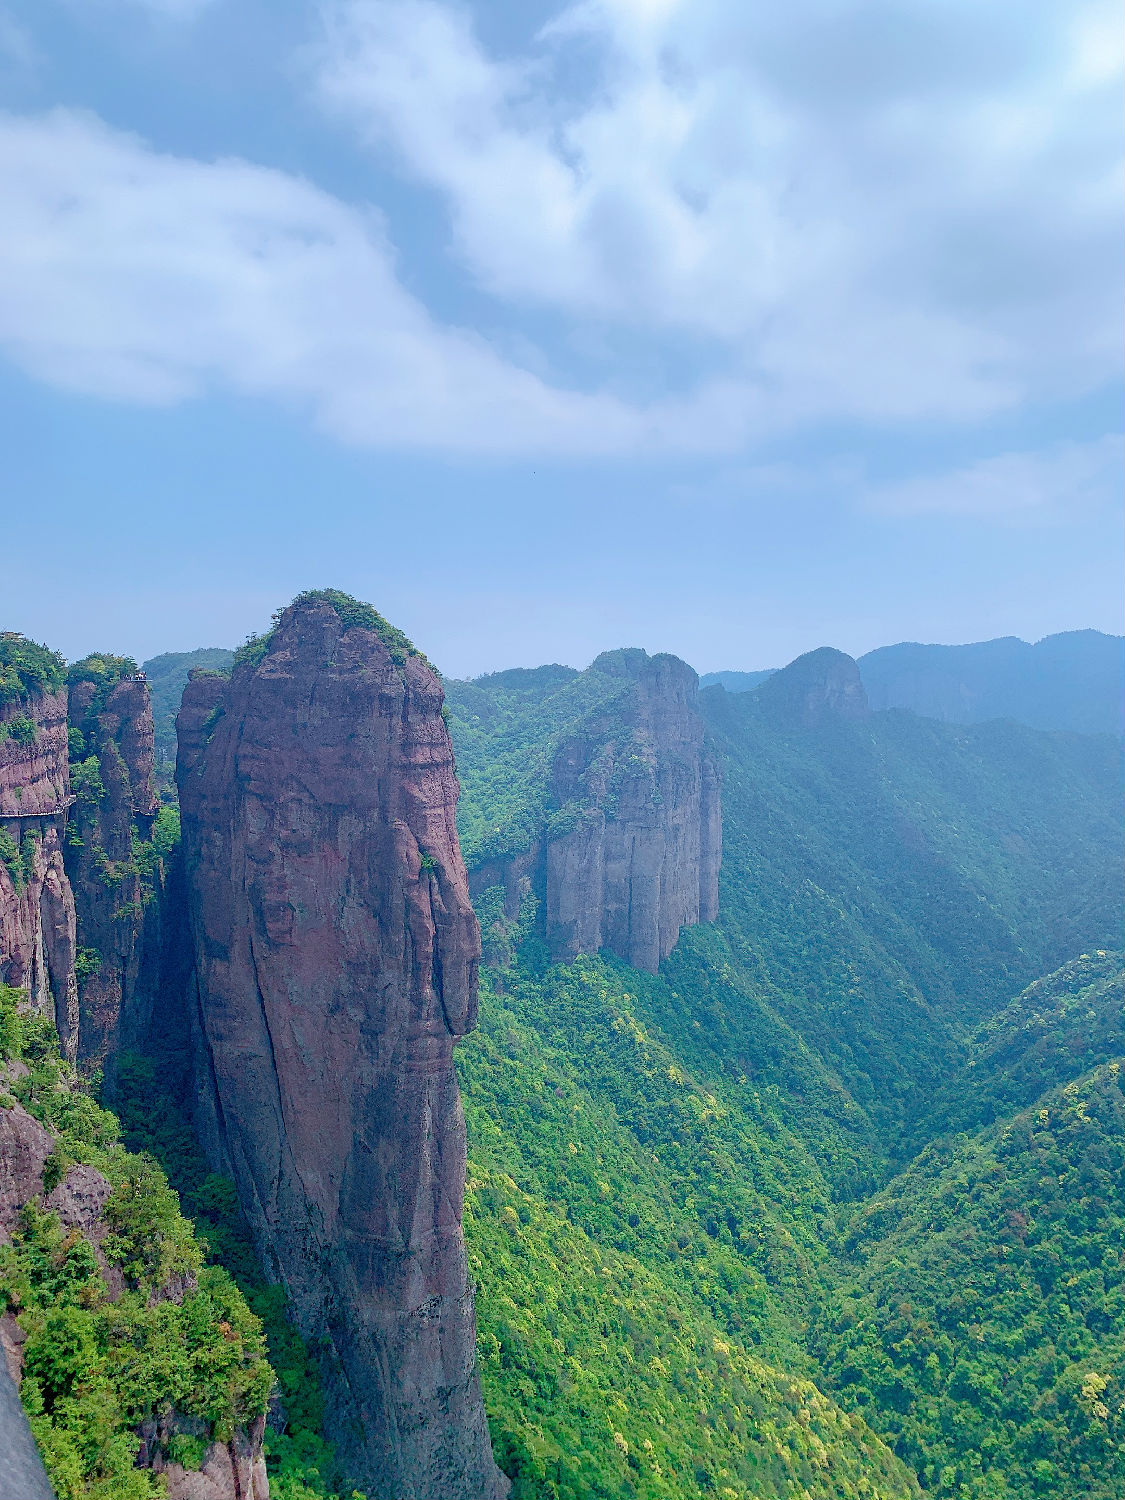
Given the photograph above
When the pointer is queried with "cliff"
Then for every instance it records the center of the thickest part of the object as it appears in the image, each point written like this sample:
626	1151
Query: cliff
633	852
37	921
593	793
336	958
110	859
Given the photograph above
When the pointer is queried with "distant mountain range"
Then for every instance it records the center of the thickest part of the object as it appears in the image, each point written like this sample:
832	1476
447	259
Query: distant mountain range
1075	680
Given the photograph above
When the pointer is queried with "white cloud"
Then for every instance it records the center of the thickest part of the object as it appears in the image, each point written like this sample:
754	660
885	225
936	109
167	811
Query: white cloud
878	211
149	278
1055	483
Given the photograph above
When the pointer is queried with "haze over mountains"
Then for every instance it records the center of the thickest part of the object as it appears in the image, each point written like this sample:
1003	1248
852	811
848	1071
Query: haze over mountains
1074	680
790	1075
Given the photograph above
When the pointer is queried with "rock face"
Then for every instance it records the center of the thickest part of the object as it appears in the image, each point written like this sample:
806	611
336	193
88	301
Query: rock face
336	958
820	686
37	922
113	815
633	853
230	1471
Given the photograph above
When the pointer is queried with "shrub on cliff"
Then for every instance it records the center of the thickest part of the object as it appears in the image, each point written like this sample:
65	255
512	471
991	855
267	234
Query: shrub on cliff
179	1339
353	613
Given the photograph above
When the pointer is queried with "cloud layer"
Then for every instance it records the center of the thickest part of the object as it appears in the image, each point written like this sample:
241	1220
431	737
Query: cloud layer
142	277
875	211
832	212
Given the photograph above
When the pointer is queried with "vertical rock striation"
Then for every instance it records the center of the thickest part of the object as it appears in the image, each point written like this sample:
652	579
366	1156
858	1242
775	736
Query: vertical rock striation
633	851
336	957
37	923
111	865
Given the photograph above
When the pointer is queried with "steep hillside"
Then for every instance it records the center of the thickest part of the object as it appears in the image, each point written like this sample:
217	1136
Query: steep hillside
735	682
1073	681
116	840
887	878
647	1235
38	939
982	1325
706	1136
596	788
142	1369
1058	1029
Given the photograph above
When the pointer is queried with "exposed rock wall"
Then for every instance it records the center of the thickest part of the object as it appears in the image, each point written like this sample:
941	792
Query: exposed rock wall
37	921
336	958
633	854
115	808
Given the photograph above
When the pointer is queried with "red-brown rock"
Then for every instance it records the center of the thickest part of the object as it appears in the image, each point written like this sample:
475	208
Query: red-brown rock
641	860
336	957
37	923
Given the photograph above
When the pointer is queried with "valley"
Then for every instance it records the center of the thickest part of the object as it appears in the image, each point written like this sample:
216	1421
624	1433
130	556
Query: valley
790	1078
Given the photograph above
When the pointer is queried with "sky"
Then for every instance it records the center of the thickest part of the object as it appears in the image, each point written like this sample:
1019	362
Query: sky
721	329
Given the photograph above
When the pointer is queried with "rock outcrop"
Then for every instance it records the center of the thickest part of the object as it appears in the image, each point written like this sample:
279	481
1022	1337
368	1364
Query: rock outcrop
818	687
112	867
234	1470
633	851
37	920
336	957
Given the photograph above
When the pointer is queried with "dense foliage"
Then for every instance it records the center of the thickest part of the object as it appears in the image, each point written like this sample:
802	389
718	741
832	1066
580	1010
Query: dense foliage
506	729
177	1340
984	1327
300	1463
646	1239
887	882
716	1139
27	668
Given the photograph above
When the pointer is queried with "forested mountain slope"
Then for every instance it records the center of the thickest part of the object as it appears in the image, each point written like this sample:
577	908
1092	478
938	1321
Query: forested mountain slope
980	1322
888	879
709	1136
1074	680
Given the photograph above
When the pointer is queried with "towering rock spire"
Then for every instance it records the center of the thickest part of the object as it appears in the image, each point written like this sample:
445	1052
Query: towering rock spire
633	855
37	927
113	867
336	957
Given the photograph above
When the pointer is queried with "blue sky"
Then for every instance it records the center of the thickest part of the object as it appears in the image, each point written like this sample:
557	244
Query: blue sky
719	329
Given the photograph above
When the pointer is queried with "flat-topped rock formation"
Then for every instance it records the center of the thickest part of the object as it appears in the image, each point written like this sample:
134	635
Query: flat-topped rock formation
633	854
